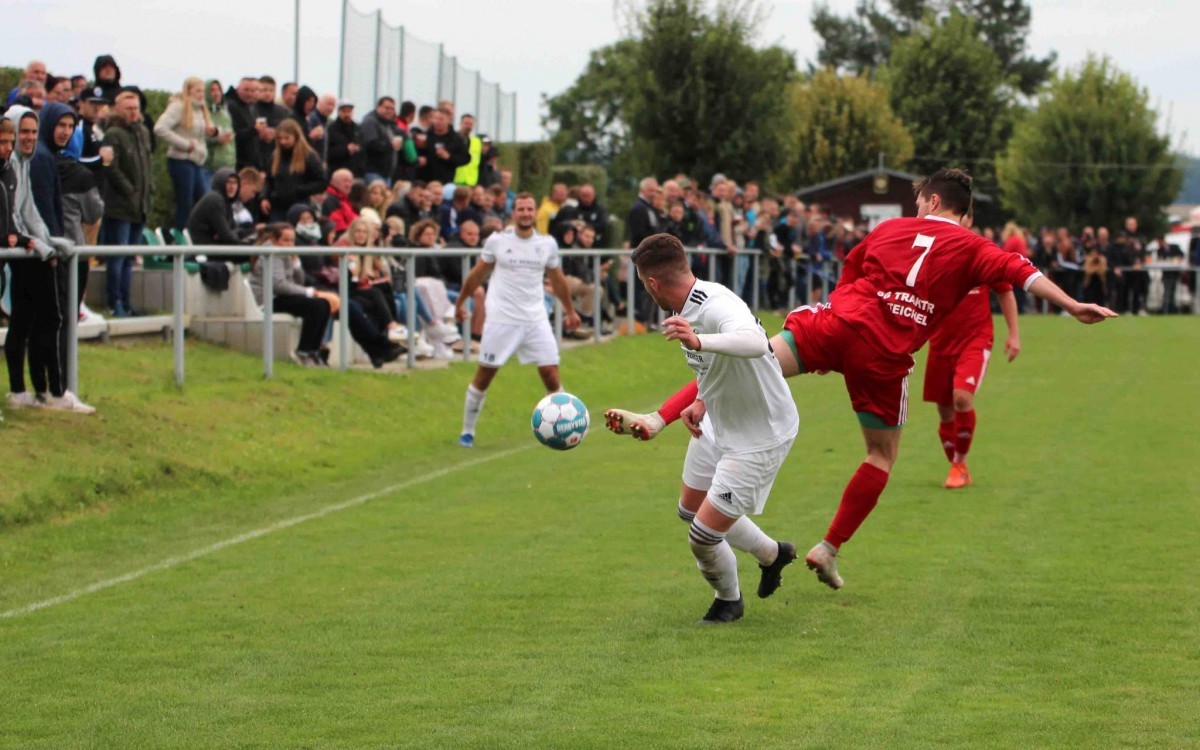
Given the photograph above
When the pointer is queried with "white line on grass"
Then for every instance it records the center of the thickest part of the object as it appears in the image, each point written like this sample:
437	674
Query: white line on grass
287	523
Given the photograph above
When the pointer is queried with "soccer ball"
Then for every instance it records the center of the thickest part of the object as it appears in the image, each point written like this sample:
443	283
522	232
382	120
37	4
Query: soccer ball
560	421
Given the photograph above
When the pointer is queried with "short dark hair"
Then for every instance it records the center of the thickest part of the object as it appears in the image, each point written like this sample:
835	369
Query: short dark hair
953	186
291	83
466	116
7	127
524	196
661	256
383	99
407	108
424	110
266	79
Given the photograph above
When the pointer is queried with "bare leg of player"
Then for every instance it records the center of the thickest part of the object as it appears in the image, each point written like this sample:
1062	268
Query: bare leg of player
549	376
858	500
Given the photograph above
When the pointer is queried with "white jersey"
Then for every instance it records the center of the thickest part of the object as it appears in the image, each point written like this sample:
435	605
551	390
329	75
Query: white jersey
515	294
747	400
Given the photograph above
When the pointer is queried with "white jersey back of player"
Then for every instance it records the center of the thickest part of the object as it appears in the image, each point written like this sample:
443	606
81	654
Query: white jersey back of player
515	294
748	400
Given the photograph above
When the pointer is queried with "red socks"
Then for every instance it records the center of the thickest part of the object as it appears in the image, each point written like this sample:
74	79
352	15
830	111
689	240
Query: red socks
858	501
949	436
684	398
964	426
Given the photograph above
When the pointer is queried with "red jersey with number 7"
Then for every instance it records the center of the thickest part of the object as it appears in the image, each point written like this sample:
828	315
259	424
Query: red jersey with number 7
909	274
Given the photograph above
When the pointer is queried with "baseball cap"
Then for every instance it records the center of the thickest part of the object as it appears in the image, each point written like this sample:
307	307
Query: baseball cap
344	103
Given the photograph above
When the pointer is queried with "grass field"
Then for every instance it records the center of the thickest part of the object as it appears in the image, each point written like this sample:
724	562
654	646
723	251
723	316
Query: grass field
512	597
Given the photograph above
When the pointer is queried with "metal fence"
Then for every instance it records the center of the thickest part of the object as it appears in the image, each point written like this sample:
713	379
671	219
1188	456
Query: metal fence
378	59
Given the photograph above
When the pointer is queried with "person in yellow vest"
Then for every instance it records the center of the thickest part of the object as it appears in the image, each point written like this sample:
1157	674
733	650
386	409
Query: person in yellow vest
550	207
468	174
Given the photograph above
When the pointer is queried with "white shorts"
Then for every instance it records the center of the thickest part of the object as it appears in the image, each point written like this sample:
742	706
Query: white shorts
531	342
737	484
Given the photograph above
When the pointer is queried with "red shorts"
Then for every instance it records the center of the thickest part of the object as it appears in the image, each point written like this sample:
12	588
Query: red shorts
877	382
946	373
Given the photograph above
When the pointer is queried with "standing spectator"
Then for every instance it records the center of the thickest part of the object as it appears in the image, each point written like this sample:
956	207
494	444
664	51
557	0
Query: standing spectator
642	222
58	89
242	104
221	151
380	141
468	174
31	94
406	159
311	305
295	174
593	214
488	173
127	200
211	221
1012	240
186	125
1170	255
318	124
1095	274
269	116
444	151
304	103
107	82
288	95
34	71
344	141
550	207
79	85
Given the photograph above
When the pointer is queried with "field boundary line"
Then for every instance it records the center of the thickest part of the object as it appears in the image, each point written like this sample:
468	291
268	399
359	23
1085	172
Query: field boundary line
286	523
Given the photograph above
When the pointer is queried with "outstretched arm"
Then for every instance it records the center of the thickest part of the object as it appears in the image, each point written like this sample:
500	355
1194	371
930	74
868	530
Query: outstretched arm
1084	312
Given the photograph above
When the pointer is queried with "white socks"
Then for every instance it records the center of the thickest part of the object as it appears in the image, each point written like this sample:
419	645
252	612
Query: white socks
744	535
471	409
714	558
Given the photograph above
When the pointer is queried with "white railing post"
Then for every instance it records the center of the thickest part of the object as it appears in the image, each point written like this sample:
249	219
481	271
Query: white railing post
410	307
597	298
73	323
177	321
343	322
268	331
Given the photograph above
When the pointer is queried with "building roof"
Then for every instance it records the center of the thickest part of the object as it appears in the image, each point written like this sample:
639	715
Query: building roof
869	174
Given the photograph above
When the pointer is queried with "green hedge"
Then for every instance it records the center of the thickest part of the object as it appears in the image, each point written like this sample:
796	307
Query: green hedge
578	174
531	165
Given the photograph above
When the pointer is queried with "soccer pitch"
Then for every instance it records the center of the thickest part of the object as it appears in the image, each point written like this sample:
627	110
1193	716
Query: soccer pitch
404	592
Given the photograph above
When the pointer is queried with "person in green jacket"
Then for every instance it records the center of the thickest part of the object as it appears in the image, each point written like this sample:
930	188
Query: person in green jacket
468	174
221	151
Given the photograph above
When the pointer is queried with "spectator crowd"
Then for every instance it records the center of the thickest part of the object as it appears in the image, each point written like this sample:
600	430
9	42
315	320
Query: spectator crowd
256	164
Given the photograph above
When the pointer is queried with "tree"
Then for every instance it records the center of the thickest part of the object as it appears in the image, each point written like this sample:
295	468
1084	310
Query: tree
1090	154
946	85
863	41
708	100
587	120
839	125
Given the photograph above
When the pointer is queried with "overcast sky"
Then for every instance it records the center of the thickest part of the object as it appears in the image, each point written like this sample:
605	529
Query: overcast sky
533	47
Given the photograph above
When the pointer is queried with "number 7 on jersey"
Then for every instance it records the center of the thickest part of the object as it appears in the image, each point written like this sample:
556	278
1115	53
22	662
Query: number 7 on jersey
925	241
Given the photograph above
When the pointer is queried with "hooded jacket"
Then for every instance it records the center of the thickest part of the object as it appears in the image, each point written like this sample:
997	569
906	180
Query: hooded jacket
211	220
44	179
303	96
107	89
29	221
220	155
242	115
82	203
130	180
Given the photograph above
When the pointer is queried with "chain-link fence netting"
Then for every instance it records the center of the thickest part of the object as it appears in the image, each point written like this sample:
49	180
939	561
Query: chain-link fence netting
383	60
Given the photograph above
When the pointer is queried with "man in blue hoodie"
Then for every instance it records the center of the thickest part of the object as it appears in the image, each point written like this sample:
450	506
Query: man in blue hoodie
38	293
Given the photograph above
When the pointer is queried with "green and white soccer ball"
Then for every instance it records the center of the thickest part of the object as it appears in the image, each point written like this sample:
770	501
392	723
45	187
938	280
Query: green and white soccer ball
560	421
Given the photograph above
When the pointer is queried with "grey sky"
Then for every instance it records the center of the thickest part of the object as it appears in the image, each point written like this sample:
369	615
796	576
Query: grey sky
529	46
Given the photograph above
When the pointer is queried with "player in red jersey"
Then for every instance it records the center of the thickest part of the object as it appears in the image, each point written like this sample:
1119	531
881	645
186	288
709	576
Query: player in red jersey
959	351
897	285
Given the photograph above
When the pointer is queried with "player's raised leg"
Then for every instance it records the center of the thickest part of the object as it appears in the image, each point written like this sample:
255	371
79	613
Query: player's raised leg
858	500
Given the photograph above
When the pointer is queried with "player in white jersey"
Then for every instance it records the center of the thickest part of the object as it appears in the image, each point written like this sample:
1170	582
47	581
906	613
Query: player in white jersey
751	417
516	321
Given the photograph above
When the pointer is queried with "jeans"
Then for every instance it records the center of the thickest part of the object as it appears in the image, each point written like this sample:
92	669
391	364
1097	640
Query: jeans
120	268
188	180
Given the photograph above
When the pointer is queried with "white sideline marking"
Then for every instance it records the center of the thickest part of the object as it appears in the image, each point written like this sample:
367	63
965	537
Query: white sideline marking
287	523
